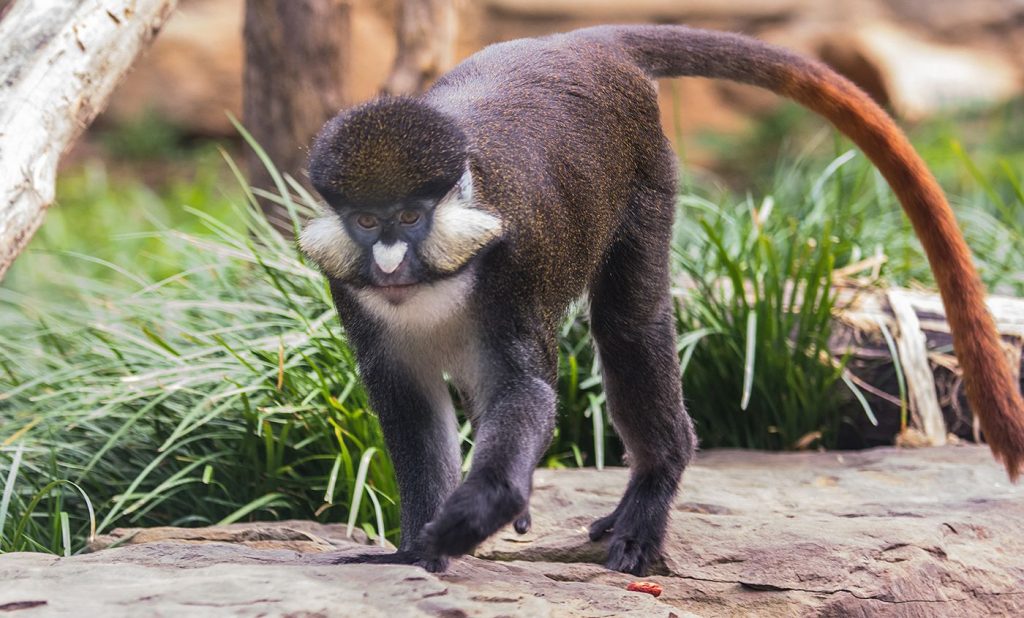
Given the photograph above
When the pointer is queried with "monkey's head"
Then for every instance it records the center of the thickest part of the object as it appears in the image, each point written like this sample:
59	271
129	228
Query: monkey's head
395	173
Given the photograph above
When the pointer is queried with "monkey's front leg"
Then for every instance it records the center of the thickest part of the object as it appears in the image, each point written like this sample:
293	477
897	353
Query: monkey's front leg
418	422
513	431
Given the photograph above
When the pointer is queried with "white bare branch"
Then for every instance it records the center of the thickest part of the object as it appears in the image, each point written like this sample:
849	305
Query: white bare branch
59	63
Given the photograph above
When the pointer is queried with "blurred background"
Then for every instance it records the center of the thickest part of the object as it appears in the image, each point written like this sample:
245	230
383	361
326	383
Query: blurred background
920	57
928	61
175	358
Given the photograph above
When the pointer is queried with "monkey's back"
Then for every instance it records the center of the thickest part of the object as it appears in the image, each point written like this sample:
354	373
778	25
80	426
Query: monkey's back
562	130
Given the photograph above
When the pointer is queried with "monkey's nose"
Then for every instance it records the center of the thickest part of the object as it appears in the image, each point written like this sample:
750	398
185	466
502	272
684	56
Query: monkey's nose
389	257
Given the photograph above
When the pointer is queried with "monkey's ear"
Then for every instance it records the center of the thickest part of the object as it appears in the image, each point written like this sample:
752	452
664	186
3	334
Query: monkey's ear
465	186
459	230
327	243
462	190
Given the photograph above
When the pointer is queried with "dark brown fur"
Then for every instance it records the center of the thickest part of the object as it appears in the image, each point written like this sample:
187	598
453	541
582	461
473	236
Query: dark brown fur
563	139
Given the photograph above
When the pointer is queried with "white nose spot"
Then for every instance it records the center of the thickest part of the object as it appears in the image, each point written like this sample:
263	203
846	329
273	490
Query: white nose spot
388	257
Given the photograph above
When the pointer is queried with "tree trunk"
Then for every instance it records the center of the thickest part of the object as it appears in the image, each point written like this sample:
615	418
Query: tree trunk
296	55
425	30
59	63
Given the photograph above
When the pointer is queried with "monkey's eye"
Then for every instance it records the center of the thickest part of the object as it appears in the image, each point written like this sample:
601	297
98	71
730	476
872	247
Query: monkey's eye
408	217
367	222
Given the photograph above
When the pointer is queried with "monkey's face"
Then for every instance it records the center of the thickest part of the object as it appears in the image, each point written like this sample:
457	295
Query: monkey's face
393	250
396	175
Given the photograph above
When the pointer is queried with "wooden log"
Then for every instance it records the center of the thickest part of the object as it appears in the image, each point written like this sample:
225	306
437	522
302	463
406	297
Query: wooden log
59	63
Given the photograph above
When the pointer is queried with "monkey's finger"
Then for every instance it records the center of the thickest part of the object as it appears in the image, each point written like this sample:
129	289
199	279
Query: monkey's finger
434	565
603	526
523	523
398	557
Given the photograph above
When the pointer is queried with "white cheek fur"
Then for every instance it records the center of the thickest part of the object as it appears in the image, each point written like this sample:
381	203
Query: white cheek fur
326	241
459	230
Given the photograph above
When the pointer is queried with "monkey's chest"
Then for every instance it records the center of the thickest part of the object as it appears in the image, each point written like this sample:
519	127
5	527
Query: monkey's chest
434	332
450	349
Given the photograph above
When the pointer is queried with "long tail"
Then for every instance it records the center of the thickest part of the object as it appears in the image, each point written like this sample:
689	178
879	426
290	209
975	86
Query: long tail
676	51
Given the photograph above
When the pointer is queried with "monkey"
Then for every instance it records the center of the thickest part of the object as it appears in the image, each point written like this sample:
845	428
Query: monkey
463	223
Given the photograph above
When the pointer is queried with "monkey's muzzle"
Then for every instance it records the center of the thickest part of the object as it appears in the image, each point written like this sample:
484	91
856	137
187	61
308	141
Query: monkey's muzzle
396	294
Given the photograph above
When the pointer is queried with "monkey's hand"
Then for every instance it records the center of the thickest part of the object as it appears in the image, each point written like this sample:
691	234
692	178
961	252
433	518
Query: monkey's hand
436	564
474	512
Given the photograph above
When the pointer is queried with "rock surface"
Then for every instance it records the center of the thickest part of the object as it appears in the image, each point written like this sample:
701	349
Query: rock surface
933	532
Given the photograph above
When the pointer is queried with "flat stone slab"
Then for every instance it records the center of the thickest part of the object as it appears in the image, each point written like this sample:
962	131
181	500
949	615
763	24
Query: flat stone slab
931	532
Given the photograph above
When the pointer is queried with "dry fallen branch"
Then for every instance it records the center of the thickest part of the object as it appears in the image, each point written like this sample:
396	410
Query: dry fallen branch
931	371
59	63
913	350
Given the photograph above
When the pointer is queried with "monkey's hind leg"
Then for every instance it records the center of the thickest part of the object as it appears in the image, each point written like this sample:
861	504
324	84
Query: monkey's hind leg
633	325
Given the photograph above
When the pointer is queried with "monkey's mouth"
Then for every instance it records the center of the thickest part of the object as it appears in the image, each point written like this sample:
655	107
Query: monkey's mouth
396	294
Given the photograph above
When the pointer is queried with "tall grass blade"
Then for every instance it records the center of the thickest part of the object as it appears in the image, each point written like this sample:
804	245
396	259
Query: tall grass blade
597	417
897	368
748	359
332	480
378	513
358	488
65	533
249	508
12	476
859	395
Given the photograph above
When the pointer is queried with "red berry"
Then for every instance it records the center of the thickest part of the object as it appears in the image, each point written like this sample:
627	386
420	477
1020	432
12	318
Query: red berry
650	588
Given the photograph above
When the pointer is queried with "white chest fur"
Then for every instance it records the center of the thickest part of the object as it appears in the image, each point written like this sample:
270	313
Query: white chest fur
433	331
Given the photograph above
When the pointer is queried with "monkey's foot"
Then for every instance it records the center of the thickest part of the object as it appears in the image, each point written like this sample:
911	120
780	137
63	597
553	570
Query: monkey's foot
632	549
432	564
474	512
633	554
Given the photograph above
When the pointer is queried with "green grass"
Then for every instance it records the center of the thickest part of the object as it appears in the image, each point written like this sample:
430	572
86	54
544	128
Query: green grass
106	215
757	368
757	372
168	366
220	392
977	156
